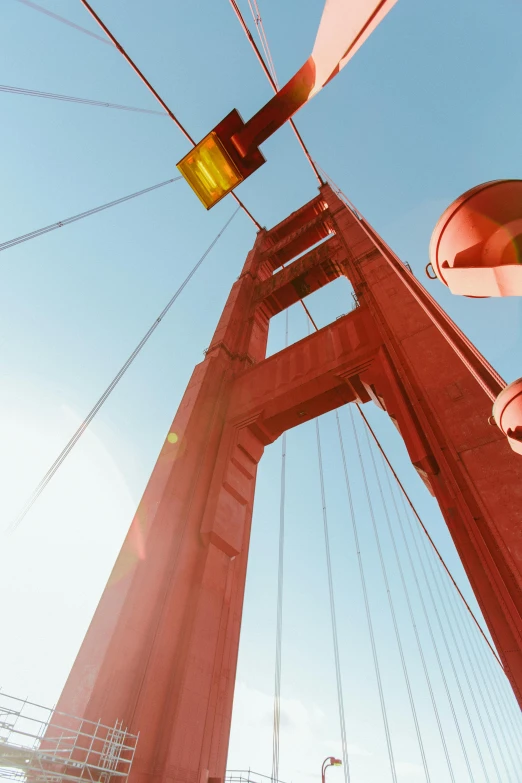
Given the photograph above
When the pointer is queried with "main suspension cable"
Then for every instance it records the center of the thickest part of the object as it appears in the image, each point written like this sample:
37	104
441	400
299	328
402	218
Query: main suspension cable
62	19
279	621
66	221
338	678
71	99
110	388
155	93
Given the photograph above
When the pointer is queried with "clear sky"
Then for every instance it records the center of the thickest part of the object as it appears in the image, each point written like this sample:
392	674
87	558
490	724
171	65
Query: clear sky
428	108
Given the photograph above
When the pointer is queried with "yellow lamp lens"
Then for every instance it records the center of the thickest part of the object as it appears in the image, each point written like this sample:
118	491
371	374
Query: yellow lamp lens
209	170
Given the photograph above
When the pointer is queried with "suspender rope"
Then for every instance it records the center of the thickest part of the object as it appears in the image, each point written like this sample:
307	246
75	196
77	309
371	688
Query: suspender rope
279	622
392	608
364	588
340	701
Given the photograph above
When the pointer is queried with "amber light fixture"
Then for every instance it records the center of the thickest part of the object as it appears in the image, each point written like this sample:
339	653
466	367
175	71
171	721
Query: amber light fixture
210	171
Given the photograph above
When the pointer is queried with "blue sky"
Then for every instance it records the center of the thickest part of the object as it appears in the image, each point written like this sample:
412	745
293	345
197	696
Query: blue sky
426	109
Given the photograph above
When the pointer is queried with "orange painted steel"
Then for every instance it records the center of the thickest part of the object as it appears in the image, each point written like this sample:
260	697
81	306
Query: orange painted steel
161	651
507	414
476	246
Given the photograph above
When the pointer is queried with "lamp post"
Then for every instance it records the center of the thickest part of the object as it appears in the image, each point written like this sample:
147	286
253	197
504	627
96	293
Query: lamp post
329	761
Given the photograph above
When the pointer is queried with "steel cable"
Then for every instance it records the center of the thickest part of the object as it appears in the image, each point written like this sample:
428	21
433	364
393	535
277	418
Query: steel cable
466	669
279	621
392	607
432	638
71	99
110	388
412	533
338	678
457	678
362	576
62	19
66	221
415	628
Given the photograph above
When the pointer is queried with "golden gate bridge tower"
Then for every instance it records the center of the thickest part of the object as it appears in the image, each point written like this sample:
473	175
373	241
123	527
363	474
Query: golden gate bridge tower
161	651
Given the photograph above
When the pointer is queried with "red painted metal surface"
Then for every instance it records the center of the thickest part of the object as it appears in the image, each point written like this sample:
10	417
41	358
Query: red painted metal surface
507	412
476	247
161	651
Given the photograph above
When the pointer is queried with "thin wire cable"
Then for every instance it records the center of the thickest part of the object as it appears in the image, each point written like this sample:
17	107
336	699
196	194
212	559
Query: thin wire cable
155	93
273	84
439	661
491	691
414	623
392	607
363	584
501	681
450	655
412	533
62	19
515	737
428	623
67	221
256	14
71	99
92	413
467	668
340	700
279	622
419	520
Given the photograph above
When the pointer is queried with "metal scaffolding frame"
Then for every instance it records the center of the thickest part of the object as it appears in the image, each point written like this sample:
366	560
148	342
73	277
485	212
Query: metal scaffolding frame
42	745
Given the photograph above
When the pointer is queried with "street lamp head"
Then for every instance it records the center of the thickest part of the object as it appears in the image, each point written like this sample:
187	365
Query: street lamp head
335	762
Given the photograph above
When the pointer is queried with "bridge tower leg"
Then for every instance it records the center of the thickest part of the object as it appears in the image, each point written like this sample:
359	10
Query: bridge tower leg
161	651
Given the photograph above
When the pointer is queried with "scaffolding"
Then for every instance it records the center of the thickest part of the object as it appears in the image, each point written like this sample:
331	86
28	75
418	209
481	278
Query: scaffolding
248	776
41	745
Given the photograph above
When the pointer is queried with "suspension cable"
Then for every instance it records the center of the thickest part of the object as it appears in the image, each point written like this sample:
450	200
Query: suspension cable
503	711
62	19
340	700
412	533
256	14
155	93
273	82
66	221
392	607
363	584
442	672
462	646
419	520
279	621
500	680
457	678
71	99
110	388
416	630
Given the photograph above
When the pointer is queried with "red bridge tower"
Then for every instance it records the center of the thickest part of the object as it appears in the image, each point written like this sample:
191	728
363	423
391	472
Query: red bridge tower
161	651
